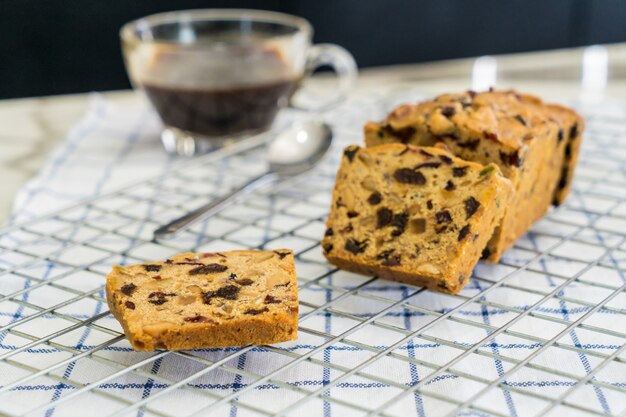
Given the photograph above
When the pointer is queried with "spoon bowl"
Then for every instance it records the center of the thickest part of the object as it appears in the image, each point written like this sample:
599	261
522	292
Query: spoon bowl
299	148
293	151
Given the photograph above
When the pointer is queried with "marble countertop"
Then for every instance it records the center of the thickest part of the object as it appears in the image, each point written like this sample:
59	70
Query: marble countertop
31	128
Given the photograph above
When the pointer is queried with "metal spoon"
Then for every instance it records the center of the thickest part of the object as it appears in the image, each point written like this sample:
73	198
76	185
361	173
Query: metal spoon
293	151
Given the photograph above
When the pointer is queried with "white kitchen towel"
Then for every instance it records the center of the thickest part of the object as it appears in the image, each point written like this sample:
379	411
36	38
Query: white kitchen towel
110	147
48	285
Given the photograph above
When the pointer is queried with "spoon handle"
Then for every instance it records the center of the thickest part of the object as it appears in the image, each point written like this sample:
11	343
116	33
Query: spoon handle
214	206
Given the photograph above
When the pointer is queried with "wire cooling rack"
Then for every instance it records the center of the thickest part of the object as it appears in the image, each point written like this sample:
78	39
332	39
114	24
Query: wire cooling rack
543	332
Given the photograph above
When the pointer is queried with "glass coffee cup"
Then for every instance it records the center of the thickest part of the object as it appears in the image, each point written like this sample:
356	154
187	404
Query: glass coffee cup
215	76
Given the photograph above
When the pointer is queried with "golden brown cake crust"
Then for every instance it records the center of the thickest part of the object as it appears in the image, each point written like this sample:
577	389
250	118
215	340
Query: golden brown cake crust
205	300
413	214
535	145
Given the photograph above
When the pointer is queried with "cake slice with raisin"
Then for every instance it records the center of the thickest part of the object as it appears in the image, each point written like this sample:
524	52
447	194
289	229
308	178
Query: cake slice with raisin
534	144
417	215
207	300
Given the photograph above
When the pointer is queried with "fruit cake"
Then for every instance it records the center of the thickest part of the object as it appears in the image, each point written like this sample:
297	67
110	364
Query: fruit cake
417	215
534	144
206	300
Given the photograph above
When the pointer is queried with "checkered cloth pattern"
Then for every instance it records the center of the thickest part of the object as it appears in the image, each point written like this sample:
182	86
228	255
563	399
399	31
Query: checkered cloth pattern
543	331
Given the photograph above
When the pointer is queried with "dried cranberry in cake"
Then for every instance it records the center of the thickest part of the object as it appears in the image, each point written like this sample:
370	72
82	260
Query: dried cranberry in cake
271	300
127	289
208	269
441	229
399	223
459	171
198	319
355	246
443	216
489	135
464	232
327	247
246	297
392	260
446	159
375	198
229	292
159	298
385	254
409	176
470	144
471	205
510	159
448	111
413	234
403	135
384	217
256	311
152	268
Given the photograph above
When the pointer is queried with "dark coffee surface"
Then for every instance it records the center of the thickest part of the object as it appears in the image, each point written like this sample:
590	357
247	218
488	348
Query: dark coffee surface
220	111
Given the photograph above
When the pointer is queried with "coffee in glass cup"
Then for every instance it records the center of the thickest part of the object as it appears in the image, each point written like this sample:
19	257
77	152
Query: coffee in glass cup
215	76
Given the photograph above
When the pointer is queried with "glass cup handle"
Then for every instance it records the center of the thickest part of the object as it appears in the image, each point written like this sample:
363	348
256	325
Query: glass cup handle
342	63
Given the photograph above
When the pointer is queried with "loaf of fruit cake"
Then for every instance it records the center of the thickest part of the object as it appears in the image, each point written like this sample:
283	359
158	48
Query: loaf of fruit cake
417	215
207	300
534	144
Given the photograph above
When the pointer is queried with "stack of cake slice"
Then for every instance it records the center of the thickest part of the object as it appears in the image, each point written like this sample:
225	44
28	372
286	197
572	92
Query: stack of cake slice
532	144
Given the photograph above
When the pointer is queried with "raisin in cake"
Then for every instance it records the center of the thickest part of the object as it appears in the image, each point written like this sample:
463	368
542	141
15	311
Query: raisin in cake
204	300
413	214
534	144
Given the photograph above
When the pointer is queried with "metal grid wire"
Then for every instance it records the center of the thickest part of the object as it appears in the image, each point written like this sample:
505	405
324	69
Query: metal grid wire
67	254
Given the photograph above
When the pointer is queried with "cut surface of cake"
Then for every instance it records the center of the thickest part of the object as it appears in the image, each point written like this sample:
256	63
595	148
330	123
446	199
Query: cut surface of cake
207	300
413	214
534	144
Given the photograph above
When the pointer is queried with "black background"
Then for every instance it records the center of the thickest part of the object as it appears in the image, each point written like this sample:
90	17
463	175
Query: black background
64	46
